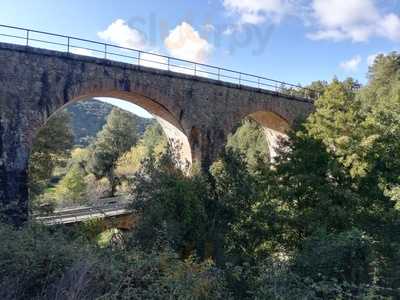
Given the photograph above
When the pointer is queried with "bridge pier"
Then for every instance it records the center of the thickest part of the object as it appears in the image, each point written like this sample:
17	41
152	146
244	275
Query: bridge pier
13	174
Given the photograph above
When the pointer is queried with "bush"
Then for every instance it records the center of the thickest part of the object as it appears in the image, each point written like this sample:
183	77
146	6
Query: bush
97	188
346	257
171	205
162	275
34	260
39	263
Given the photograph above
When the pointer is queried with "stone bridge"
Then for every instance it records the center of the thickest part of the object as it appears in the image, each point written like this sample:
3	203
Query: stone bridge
35	83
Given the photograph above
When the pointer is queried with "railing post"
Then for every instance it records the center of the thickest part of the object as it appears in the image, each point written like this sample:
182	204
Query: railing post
139	54
105	51
169	63
27	37
240	78
68	44
195	69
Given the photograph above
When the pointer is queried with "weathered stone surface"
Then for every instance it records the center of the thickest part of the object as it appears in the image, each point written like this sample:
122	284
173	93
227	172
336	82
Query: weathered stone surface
35	83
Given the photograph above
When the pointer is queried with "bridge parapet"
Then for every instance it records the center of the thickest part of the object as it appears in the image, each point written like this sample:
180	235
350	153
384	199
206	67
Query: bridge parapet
85	47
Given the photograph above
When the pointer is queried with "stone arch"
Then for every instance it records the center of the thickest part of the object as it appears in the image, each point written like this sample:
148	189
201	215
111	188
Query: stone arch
275	129
274	126
172	128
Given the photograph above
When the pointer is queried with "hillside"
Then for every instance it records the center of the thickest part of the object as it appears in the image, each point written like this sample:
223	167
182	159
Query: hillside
88	118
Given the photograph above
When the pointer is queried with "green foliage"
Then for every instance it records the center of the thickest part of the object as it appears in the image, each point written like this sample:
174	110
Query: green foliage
161	275
235	203
313	190
277	281
168	201
51	149
336	123
346	256
33	259
384	76
154	139
153	143
362	132
37	263
72	188
249	139
217	216
117	136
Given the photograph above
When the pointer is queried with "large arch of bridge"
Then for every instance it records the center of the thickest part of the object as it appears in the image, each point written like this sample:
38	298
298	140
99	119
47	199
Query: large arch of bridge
171	127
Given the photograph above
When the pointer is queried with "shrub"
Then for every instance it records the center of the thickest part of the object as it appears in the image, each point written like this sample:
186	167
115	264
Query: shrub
346	256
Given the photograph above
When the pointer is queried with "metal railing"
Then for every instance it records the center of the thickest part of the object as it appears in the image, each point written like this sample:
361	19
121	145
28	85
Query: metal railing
74	45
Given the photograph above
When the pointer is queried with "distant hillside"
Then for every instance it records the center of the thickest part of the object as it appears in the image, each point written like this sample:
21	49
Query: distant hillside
88	118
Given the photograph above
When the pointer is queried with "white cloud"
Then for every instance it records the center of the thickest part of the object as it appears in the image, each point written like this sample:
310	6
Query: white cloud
357	20
186	43
182	42
258	11
389	27
352	64
120	33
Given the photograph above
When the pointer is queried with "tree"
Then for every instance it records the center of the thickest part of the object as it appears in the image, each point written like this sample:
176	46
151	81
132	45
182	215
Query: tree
72	188
153	142
154	139
117	136
169	205
51	149
250	140
313	190
341	171
363	129
383	76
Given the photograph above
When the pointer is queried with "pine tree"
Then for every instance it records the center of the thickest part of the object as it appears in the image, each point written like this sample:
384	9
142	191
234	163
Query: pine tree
117	137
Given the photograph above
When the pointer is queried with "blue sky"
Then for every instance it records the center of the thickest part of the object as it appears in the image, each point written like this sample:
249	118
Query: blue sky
297	41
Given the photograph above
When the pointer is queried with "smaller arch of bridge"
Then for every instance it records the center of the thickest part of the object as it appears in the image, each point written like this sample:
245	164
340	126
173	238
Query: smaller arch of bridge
275	128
